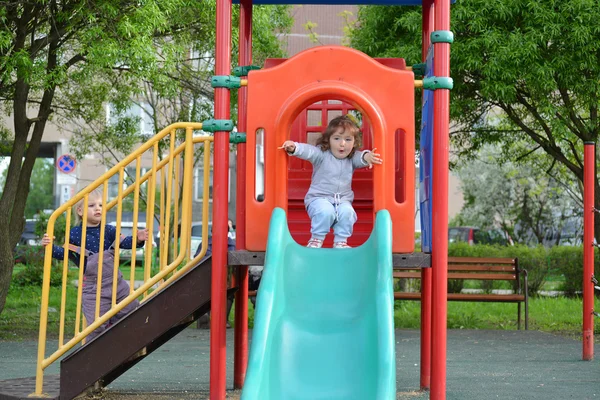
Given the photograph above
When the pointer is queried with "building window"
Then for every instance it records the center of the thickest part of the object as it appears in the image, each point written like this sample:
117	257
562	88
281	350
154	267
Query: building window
128	179
141	112
199	185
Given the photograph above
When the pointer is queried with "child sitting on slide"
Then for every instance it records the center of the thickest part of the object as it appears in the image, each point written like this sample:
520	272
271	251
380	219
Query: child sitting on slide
329	198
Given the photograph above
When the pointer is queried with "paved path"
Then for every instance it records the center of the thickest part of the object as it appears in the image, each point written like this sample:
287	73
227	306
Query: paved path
481	365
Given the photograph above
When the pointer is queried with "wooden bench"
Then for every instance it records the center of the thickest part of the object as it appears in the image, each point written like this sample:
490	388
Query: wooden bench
468	268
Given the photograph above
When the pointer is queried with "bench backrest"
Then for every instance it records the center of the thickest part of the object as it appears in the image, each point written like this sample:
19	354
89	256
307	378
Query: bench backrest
473	268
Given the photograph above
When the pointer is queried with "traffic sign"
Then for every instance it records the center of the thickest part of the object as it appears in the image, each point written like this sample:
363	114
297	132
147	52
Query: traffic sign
66	163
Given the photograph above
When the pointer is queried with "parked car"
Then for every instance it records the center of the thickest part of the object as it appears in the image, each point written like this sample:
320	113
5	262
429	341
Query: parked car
473	235
29	244
29	237
127	230
196	236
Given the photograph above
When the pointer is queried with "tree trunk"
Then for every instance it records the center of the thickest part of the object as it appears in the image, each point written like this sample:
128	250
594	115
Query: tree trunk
16	187
6	265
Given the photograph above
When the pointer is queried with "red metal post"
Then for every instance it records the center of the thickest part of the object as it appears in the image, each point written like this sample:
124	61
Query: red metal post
240	360
426	272
218	309
588	249
439	248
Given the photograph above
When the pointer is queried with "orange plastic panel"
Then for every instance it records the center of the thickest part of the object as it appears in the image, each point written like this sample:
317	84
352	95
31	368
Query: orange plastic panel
385	96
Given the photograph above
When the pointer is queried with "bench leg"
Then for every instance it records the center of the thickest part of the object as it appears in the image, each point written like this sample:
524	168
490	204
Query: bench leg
526	313
519	315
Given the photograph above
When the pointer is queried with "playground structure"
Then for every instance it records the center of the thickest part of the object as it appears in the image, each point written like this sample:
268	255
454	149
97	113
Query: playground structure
383	92
356	312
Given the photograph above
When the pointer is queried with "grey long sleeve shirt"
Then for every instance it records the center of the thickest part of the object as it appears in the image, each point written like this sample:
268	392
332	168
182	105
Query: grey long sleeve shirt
331	177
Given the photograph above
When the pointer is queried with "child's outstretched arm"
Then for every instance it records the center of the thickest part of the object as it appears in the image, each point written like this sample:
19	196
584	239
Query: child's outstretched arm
57	251
304	151
366	158
142	237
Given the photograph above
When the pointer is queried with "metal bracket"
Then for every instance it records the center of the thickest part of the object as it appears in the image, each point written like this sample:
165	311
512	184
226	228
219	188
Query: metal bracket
438	82
243	70
216	125
595	313
225	81
594	280
442	37
596	210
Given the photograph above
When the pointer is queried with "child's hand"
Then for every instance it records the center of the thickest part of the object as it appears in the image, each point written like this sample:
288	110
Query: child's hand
288	146
45	240
372	158
142	235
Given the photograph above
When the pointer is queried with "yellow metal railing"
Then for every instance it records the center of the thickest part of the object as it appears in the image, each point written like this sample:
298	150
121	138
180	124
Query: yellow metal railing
175	172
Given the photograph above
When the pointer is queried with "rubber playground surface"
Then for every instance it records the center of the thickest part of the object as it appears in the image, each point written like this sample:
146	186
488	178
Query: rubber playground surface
480	365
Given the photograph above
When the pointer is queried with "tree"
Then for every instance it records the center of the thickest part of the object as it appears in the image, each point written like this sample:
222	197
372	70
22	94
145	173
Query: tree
41	186
513	196
66	59
533	66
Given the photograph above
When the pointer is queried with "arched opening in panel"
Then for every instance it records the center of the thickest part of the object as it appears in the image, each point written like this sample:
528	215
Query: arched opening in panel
308	127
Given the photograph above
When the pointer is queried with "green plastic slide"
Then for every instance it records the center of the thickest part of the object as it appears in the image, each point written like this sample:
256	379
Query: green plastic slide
323	327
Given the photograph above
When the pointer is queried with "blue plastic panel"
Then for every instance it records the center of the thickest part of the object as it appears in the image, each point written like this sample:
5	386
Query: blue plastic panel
426	159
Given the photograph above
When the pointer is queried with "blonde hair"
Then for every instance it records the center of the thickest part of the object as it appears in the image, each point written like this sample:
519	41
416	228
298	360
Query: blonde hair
94	194
349	125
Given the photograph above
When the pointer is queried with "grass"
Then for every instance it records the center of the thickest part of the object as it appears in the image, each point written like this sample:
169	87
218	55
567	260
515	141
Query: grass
557	315
549	314
126	270
20	317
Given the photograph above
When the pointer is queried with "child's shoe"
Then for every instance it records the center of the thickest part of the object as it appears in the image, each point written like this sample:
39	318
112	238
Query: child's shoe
315	243
341	245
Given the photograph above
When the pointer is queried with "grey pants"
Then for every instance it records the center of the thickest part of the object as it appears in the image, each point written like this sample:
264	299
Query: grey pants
89	292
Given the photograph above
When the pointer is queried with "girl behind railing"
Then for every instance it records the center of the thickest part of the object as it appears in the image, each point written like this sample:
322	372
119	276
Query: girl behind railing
91	259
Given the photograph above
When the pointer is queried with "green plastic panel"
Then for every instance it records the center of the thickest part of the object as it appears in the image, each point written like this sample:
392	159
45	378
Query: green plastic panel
438	82
244	70
323	325
225	81
237	137
217	125
419	69
442	37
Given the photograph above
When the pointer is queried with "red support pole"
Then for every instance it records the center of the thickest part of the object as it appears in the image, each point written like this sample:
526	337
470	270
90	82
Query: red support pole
218	309
439	248
426	272
240	360
588	249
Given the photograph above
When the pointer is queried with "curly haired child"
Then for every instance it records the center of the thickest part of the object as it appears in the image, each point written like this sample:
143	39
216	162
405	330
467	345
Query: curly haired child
329	198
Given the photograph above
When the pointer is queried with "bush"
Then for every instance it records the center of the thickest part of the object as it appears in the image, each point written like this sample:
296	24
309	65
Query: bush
461	249
568	262
536	260
32	274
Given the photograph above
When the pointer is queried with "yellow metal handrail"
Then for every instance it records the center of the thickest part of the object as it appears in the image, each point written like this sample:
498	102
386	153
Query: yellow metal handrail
170	197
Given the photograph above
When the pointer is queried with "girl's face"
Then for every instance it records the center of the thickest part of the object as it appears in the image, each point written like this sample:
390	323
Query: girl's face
94	211
341	143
